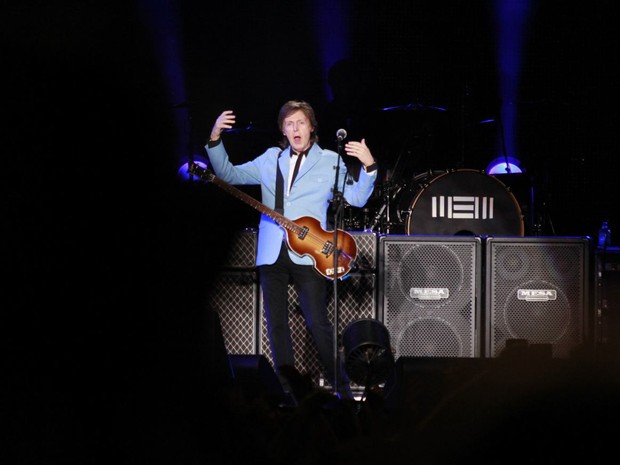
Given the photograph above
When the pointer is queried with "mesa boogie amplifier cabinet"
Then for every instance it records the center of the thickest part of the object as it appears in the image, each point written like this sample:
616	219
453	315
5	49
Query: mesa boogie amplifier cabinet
429	294
537	291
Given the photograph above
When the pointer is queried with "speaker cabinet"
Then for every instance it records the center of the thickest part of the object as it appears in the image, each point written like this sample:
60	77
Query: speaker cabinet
536	291
255	378
418	385
366	242
607	296
242	253
234	296
428	294
356	300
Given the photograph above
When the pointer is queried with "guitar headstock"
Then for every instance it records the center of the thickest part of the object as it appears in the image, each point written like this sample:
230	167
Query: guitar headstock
202	173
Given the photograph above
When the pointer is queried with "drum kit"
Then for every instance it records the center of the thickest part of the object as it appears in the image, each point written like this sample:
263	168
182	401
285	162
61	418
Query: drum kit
409	199
453	202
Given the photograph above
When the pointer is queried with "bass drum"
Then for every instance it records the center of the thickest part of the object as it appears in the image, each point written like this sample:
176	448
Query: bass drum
463	202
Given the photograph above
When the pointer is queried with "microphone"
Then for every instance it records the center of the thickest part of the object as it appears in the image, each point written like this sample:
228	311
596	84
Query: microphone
341	134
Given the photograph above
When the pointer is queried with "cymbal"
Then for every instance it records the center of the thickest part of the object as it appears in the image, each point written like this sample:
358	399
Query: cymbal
238	130
413	107
244	129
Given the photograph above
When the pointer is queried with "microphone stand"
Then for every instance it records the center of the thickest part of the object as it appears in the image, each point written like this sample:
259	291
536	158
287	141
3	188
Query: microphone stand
337	205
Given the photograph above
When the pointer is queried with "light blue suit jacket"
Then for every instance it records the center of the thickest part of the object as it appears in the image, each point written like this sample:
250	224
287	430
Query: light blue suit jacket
309	195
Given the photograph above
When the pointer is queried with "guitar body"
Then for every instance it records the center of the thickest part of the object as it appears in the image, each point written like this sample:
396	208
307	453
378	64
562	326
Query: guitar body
318	245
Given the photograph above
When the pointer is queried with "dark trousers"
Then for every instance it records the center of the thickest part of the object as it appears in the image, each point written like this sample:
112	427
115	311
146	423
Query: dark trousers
312	291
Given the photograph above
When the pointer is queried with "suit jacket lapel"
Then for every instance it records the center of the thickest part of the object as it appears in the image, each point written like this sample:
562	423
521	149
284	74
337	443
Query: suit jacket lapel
312	158
284	163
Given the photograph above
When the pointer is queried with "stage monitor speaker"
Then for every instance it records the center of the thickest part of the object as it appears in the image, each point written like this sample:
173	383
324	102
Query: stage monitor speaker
428	294
356	300
536	291
419	385
255	377
234	296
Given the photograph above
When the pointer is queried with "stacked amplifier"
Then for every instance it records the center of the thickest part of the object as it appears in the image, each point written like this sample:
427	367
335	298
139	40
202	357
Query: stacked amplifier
607	297
234	294
237	297
438	296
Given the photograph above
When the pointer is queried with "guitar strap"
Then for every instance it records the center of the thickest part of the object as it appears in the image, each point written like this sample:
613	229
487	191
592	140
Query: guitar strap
279	187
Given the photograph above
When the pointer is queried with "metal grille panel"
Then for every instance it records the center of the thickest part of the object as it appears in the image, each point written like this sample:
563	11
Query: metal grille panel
243	250
537	291
428	294
366	242
234	296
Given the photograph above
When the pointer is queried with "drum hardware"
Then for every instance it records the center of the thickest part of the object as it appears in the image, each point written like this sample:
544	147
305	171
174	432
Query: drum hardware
420	182
390	217
377	217
382	218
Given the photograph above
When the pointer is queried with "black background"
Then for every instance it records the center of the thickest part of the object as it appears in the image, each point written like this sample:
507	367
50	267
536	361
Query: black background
107	256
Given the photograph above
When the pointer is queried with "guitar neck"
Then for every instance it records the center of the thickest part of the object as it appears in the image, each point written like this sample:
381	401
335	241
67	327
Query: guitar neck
261	207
